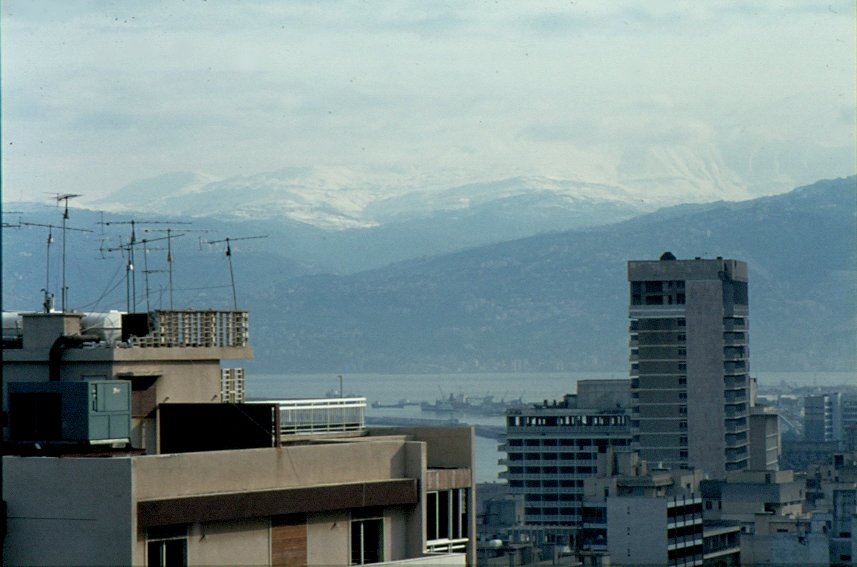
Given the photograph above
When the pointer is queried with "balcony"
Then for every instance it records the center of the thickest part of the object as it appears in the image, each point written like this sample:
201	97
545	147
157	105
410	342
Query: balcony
736	396
734	339
327	415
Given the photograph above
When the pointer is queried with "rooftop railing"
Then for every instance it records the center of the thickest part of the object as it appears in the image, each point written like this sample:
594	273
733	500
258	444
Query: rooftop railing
324	415
189	328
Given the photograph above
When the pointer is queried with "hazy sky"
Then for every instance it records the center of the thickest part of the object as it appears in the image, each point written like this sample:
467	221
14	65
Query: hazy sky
759	95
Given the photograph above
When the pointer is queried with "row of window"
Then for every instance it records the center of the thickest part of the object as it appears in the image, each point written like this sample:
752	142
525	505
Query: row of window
566	420
546	442
552	456
551	470
564	483
551	511
555	497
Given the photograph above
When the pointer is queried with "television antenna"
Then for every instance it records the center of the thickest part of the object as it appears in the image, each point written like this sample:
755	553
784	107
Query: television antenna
10	225
129	246
170	257
49	297
146	270
130	279
64	199
227	240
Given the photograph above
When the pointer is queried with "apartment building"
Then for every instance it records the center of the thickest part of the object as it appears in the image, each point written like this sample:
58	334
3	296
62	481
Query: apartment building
553	447
689	356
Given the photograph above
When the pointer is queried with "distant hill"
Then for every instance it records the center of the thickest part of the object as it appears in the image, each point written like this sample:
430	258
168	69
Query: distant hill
559	301
556	301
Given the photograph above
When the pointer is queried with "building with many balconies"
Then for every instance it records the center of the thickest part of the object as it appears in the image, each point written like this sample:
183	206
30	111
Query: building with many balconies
689	354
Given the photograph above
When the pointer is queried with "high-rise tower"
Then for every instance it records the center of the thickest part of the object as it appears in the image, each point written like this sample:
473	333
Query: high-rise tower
690	386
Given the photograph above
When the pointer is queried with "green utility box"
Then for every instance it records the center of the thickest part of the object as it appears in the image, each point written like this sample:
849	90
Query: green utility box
93	411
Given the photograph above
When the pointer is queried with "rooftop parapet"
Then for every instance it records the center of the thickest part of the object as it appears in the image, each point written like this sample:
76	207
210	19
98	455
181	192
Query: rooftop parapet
195	329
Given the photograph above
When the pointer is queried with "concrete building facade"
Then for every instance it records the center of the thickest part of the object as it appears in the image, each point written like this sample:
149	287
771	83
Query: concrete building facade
198	481
552	448
689	348
822	417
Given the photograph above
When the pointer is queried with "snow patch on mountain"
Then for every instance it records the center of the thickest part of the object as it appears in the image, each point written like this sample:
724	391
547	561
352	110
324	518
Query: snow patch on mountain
338	198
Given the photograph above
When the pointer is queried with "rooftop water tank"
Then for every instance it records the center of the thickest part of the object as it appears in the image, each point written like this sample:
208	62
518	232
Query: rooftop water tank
106	326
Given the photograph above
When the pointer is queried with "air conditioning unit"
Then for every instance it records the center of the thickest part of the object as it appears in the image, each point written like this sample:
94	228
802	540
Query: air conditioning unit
86	412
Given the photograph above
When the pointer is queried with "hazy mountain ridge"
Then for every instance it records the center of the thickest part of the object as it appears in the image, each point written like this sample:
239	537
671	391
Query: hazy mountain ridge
559	301
340	198
548	302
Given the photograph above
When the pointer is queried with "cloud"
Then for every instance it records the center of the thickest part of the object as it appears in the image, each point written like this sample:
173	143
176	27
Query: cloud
121	91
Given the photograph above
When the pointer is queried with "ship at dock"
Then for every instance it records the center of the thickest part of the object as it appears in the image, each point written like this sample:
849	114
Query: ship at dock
472	405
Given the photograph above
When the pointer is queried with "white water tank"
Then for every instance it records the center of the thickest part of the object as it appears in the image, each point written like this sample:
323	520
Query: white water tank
106	326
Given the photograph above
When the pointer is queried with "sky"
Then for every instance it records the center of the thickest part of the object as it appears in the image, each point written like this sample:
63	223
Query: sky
752	97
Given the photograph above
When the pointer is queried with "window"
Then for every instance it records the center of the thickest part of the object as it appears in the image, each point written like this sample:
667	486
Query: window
367	537
446	515
166	546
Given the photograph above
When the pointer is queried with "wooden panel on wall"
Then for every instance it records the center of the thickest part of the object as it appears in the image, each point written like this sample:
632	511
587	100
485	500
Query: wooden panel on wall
288	541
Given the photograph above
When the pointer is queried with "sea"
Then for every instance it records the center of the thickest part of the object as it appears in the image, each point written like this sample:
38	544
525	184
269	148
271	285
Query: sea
531	387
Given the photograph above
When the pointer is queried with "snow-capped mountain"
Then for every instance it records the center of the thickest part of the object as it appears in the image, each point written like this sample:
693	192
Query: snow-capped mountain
338	198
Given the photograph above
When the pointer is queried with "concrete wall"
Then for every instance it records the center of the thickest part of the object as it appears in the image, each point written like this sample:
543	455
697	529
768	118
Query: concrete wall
189	474
637	531
764	440
447	447
329	539
705	398
59	508
245	542
784	549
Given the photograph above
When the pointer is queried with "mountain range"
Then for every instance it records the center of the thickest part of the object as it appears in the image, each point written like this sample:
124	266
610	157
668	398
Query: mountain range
520	274
558	301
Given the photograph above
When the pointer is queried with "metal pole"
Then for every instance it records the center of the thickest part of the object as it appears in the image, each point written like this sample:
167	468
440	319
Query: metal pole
146	272
170	264
231	275
64	293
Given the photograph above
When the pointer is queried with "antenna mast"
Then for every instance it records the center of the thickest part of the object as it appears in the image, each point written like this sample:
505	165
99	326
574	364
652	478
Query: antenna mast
131	283
227	240
170	257
49	297
65	199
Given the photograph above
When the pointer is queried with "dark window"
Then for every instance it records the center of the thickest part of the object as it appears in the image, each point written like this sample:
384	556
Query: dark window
166	546
367	541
